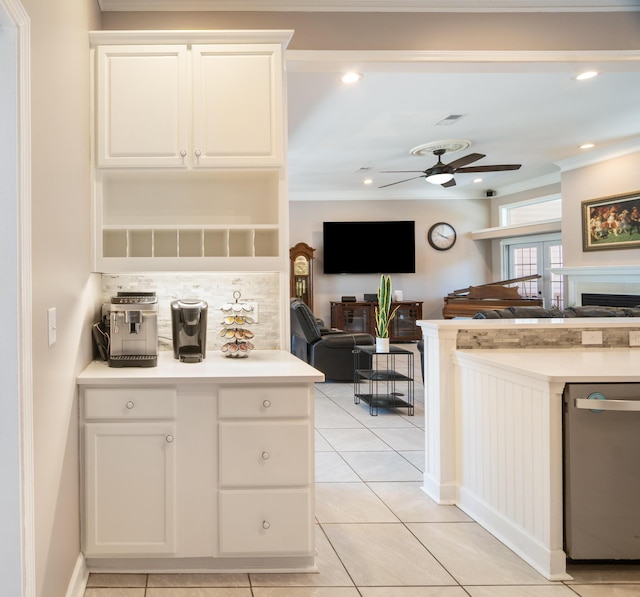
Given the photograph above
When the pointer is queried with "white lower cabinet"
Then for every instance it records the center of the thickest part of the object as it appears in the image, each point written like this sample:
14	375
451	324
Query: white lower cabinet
265	470
221	472
129	471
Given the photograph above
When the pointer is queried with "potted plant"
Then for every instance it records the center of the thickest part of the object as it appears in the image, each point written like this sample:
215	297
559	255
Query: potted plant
384	315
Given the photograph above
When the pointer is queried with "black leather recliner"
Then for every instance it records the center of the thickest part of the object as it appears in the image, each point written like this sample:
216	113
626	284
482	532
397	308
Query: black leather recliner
327	350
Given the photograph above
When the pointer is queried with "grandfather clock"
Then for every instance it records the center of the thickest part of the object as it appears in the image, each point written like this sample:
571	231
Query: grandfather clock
301	257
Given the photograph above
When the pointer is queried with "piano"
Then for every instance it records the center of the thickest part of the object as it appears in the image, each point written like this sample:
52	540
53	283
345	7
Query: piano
466	302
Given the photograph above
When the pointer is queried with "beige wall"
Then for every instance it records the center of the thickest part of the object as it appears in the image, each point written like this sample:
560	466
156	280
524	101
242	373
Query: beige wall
406	31
614	177
437	272
61	236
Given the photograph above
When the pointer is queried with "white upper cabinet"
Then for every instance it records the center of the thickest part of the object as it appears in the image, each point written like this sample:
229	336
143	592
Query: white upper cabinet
237	104
189	105
189	151
142	105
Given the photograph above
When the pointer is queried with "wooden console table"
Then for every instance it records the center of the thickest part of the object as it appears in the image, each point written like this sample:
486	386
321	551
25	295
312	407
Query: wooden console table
359	317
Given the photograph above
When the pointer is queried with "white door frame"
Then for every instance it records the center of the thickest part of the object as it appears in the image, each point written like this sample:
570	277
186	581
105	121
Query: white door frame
16	406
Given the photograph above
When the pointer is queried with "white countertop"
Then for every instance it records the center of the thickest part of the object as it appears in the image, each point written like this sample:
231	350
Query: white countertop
260	366
572	365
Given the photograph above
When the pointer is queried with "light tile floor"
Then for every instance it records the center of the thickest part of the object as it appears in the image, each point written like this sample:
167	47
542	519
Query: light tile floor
377	533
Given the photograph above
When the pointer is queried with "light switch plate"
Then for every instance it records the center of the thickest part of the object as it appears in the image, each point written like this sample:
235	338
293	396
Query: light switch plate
634	338
51	324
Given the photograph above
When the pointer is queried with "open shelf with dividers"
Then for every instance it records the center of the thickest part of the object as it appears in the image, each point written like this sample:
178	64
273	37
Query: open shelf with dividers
166	218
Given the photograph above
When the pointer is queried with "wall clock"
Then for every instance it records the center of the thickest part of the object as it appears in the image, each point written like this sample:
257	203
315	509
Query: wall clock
441	236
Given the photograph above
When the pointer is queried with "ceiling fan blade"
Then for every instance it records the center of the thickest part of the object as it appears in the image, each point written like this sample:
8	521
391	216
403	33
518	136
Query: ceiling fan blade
495	168
399	181
467	159
449	183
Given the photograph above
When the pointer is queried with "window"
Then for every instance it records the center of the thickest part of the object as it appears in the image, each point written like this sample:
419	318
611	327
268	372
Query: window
527	212
532	256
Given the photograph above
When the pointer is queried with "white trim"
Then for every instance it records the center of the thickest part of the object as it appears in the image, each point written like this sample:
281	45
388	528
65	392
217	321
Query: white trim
231	36
445	60
517	230
373	5
20	20
79	578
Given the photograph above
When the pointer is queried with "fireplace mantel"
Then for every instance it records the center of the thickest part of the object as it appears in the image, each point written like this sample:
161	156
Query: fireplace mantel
610	279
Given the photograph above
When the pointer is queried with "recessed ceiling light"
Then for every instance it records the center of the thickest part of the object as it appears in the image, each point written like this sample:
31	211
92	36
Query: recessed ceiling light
351	77
588	74
587	146
368	181
477	180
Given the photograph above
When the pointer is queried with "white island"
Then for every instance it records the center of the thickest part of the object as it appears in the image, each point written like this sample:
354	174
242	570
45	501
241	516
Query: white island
199	467
509	440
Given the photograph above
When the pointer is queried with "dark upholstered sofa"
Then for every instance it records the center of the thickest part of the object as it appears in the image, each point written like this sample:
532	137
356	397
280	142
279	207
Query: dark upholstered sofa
541	312
329	351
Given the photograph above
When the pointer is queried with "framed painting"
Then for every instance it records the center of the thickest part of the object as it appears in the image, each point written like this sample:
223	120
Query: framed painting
611	222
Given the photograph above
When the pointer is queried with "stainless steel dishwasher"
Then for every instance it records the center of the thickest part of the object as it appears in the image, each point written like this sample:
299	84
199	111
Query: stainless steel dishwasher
602	471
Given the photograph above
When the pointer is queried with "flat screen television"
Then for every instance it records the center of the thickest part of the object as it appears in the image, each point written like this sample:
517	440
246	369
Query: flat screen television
382	247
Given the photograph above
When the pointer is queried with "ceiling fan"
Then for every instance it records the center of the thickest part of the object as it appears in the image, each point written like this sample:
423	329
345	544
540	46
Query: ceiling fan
442	174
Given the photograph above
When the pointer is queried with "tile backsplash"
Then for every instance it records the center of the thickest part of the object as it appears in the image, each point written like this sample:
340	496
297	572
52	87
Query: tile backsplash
216	288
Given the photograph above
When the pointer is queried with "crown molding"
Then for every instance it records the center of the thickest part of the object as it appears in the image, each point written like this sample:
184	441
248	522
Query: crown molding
372	5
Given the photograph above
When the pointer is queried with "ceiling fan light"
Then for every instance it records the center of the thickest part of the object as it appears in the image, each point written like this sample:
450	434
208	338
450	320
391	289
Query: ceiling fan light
439	178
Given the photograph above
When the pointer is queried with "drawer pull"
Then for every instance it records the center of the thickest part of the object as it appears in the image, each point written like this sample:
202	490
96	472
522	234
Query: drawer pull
169	439
266	456
266	403
266	524
130	404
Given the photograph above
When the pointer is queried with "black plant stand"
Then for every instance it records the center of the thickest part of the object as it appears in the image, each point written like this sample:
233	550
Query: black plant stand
389	382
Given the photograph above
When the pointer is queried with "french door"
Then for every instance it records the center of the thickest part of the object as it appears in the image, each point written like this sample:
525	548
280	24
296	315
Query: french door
536	255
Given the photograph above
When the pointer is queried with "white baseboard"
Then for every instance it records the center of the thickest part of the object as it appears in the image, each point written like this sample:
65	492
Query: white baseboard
79	578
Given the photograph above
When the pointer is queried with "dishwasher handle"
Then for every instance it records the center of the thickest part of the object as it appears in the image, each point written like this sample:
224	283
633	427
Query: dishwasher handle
600	405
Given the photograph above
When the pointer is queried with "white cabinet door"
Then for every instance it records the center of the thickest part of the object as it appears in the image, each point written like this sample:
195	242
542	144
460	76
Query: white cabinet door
130	488
142	106
237	106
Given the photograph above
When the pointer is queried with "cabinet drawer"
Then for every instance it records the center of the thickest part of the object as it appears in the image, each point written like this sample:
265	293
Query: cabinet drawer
265	454
266	522
130	403
264	402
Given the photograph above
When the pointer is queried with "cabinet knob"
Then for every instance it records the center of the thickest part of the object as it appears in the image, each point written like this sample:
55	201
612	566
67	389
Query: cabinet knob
266	456
130	405
169	439
266	524
266	403
198	153
183	153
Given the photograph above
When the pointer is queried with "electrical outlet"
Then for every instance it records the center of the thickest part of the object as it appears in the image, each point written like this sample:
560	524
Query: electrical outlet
592	337
254	313
51	324
634	338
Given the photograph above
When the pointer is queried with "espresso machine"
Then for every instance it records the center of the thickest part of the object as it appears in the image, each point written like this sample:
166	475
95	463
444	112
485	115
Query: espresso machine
189	326
133	329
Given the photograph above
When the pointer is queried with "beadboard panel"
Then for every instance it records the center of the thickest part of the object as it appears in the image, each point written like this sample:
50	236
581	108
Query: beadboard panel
511	461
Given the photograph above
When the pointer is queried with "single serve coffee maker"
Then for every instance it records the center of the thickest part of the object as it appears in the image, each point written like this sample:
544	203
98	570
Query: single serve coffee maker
133	323
189	326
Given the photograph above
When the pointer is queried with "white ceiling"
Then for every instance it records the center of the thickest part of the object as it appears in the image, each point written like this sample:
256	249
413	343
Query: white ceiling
518	107
537	118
